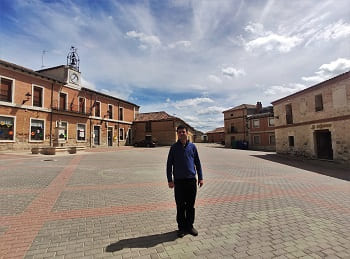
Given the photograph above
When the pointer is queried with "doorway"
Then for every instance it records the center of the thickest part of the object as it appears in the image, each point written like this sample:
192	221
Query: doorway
110	136
97	135
324	144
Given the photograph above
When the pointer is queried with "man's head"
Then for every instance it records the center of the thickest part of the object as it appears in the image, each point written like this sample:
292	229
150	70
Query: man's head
182	133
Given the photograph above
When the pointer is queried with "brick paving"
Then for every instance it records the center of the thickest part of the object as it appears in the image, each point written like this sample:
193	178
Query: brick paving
115	203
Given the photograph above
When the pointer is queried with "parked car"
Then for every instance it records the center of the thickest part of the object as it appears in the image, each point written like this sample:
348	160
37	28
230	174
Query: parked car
145	143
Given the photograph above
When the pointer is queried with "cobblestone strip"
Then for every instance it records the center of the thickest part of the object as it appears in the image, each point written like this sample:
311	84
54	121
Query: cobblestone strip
17	239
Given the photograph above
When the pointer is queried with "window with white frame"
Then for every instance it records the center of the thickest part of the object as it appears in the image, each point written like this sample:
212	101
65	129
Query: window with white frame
121	113
7	128
110	111
272	140
271	121
6	89
37	130
38	94
256	123
64	124
121	134
98	109
256	139
81	132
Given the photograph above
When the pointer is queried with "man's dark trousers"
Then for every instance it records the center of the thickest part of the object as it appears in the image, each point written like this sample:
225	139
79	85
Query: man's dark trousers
185	196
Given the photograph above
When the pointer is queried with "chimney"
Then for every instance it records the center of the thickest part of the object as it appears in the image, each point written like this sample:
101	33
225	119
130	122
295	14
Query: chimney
258	107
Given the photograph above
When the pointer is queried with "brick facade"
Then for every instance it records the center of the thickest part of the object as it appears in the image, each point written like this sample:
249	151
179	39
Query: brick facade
315	122
35	125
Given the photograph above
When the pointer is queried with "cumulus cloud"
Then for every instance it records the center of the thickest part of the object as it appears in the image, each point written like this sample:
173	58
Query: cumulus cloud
145	40
329	70
283	90
211	110
215	79
182	43
232	72
191	102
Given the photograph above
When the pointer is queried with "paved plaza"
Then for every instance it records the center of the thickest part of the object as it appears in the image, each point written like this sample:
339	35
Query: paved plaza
103	203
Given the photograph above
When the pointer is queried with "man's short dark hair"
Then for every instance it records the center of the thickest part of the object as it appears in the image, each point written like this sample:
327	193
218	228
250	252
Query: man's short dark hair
180	127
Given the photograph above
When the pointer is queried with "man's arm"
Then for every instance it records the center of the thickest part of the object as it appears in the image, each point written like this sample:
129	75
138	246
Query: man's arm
169	168
198	165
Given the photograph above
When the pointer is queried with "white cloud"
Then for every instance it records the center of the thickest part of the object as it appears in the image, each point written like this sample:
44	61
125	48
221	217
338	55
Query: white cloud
232	72
329	70
274	41
182	43
215	79
87	84
191	102
283	90
211	110
145	40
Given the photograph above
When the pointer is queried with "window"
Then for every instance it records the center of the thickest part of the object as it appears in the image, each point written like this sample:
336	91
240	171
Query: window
318	102
289	114
7	131
271	121
232	129
81	132
291	141
256	140
6	88
148	126
256	123
121	134
37	130
110	111
121	113
38	96
98	109
272	140
63	101
82	105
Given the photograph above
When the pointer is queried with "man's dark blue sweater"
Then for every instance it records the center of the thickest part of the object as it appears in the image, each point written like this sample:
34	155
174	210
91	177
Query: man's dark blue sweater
183	162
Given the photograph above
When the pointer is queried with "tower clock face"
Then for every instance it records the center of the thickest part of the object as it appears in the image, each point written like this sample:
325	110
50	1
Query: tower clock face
74	78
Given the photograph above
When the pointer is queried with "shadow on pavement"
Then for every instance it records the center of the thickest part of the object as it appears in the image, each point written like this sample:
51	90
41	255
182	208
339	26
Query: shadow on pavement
328	168
142	242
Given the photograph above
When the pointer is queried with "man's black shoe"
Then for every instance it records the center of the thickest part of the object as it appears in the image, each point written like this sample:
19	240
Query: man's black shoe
180	233
193	232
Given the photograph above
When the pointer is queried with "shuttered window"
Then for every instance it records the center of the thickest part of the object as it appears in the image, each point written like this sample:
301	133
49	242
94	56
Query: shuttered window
6	90
37	96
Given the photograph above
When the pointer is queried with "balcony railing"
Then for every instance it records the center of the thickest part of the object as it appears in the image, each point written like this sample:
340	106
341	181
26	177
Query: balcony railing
73	108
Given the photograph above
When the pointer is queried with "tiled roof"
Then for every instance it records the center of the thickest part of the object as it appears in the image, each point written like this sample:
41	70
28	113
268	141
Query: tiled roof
154	116
217	130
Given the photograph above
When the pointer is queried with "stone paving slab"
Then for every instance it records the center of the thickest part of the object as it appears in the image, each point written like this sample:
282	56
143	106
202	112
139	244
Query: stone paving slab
115	203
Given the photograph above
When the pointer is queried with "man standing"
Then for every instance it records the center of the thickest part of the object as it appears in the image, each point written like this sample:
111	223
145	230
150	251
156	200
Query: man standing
182	165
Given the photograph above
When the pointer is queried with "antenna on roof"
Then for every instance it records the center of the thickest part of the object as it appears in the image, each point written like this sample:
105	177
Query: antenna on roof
42	58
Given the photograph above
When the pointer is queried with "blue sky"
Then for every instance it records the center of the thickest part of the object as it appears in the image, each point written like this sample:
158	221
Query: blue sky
190	58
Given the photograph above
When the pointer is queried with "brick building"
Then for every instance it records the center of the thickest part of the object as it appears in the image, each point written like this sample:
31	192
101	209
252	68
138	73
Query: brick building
216	136
261	129
315	122
50	107
159	127
236	124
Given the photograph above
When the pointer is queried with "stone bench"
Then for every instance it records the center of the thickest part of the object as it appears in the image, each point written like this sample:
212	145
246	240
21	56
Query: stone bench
53	150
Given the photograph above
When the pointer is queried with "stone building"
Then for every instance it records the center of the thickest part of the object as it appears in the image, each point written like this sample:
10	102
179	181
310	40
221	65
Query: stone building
50	107
315	122
236	124
159	127
216	136
261	129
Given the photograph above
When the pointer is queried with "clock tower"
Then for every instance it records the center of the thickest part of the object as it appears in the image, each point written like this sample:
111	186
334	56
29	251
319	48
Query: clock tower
73	75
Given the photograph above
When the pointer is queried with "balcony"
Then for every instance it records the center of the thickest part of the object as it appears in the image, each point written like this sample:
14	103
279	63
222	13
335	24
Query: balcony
71	108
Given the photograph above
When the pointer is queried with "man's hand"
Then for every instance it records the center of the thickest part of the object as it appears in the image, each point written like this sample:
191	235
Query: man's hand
200	183
171	185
